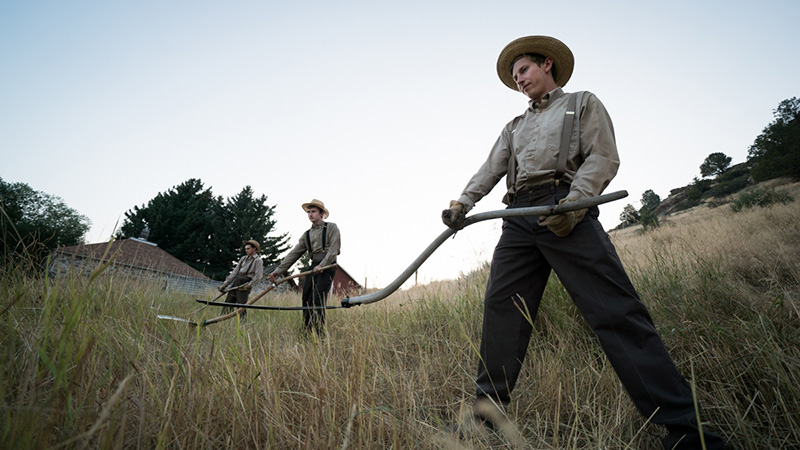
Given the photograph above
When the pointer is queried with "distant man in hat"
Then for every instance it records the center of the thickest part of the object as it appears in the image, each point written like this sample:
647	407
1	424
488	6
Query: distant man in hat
542	166
322	242
248	271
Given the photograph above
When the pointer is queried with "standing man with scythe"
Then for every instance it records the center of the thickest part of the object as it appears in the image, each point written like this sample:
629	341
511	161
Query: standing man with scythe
322	242
562	149
248	271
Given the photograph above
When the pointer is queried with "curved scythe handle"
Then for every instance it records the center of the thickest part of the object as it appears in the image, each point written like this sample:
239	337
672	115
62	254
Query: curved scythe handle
475	218
261	294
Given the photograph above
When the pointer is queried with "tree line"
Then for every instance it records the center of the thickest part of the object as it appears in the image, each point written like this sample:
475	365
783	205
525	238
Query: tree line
774	153
33	223
206	231
187	221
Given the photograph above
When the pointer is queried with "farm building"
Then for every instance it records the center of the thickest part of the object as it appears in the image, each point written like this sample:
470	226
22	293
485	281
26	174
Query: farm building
144	259
134	257
343	284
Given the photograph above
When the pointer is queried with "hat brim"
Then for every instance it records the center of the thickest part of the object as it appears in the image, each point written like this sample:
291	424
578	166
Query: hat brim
325	212
543	45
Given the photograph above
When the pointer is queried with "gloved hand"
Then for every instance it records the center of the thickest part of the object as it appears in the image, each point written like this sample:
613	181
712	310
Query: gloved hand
454	216
243	288
222	288
562	224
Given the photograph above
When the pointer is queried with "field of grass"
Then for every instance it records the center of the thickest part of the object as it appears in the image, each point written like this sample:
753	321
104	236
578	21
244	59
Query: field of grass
86	364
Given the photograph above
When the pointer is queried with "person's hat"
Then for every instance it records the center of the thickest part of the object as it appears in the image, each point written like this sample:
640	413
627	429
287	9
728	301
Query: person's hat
254	243
318	204
543	45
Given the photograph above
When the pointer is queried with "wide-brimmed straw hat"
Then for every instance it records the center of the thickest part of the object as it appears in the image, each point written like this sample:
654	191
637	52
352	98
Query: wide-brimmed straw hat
543	45
318	204
254	243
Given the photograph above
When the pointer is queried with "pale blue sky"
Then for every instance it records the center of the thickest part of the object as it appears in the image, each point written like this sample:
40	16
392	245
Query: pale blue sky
383	110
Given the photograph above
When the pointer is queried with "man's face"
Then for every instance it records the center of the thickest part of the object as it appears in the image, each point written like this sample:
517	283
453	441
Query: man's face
533	80
249	250
314	215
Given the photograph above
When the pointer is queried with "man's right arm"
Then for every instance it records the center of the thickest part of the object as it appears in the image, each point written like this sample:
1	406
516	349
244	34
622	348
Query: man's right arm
231	276
290	259
492	170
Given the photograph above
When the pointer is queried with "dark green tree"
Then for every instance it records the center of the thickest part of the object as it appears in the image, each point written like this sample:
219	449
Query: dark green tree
179	220
776	151
241	217
715	164
650	201
33	223
205	231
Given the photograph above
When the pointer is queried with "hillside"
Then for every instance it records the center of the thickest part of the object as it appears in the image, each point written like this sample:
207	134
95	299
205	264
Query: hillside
711	193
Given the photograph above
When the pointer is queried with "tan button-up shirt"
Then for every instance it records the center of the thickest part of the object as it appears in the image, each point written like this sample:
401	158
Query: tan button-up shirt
592	161
332	239
248	266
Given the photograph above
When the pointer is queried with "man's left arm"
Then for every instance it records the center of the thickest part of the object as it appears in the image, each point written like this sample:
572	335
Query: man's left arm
334	245
598	149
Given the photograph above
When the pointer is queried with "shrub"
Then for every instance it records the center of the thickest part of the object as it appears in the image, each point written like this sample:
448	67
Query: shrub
760	197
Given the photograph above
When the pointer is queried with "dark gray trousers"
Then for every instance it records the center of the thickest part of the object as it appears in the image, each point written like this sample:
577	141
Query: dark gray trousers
237	296
588	266
315	293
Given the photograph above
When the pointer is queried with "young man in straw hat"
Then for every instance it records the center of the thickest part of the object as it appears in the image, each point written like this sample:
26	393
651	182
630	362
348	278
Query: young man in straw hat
322	242
544	167
248	271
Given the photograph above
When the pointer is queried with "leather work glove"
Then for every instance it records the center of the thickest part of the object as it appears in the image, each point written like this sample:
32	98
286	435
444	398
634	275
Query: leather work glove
562	224
454	216
222	288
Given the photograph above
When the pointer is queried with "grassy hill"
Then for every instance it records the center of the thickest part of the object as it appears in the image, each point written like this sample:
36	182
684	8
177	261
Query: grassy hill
86	364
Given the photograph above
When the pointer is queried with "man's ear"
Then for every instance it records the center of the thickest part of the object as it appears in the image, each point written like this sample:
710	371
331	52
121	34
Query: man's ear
548	64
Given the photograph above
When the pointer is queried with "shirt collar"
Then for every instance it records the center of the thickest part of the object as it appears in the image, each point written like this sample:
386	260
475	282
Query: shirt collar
547	99
321	223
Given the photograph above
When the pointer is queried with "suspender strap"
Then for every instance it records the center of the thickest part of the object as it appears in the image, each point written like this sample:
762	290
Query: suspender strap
566	136
324	238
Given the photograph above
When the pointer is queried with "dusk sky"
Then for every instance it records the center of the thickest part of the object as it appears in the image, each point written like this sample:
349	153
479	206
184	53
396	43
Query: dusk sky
383	110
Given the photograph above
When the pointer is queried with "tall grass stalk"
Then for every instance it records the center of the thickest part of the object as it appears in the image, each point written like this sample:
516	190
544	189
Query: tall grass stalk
87	364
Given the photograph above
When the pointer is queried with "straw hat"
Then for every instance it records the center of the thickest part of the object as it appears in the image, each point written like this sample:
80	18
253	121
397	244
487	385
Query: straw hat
543	45
318	204
254	243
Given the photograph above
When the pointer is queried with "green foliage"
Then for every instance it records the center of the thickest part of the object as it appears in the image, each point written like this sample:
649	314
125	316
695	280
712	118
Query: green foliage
179	221
760	197
32	223
650	201
243	217
715	164
776	151
696	190
733	180
204	231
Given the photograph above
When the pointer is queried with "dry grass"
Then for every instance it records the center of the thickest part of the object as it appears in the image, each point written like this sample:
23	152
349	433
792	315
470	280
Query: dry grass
87	365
